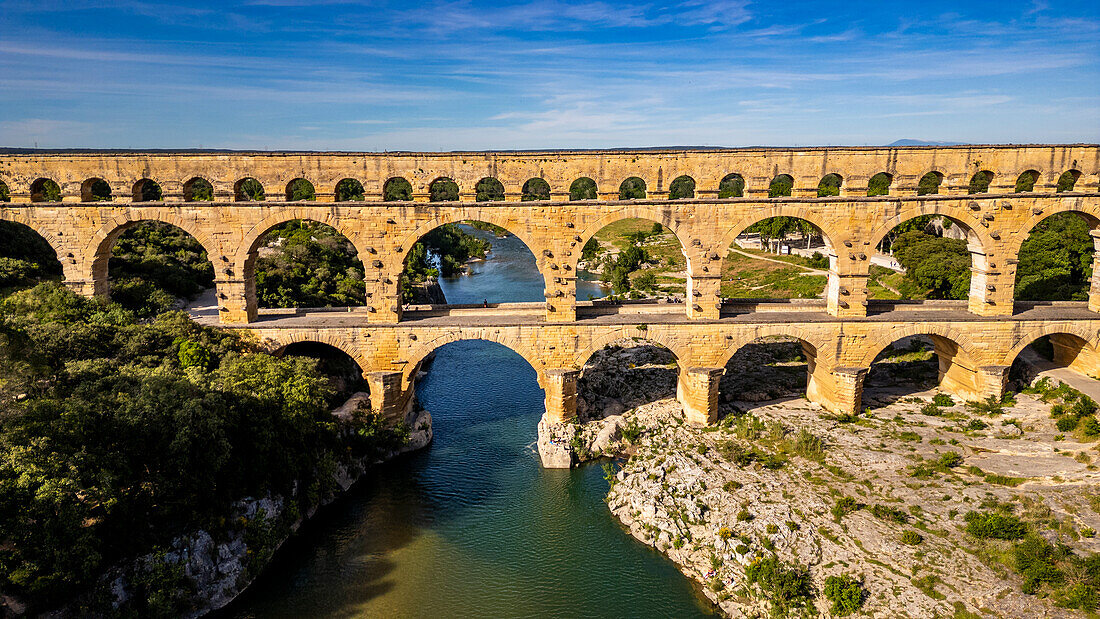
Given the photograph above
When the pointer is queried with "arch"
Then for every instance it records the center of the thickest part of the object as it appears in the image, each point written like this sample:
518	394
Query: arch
419	243
951	286
929	184
248	249
397	189
36	255
757	365
349	190
749	276
829	185
681	187
287	337
198	189
1026	339
1055	260
489	189
632	188
443	189
147	190
979	183
879	184
779	210
583	188
781	186
5	192
1067	181
45	190
300	190
875	345
509	338
536	189
638	251
652	336
819	341
732	185
306	240
1025	182
248	189
95	190
976	235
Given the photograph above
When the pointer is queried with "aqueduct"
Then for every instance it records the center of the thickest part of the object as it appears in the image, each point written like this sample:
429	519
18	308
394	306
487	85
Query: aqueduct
555	201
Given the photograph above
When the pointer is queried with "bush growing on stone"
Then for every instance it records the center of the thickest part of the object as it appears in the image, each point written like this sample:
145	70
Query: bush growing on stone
911	537
725	533
787	588
931	410
942	399
1083	406
950	459
1067	423
773	529
1090	427
1058	410
846	593
994	525
808	446
890	514
744	516
732	485
844	506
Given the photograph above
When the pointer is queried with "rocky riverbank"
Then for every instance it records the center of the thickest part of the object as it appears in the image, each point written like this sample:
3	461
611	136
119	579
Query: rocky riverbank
206	569
784	506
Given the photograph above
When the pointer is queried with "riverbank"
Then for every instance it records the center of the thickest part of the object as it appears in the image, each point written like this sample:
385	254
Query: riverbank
206	569
782	491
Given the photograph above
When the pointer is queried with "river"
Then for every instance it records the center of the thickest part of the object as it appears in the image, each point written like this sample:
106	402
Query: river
473	526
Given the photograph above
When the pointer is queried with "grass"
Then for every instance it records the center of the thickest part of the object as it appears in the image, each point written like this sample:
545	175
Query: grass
744	277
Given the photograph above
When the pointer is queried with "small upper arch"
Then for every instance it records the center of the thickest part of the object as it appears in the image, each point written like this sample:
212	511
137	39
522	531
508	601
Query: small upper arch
1023	341
632	188
681	187
248	189
651	336
979	183
147	190
929	184
349	190
299	190
443	189
1025	182
782	185
397	189
879	184
732	185
830	185
95	190
874	345
198	189
536	189
45	190
1067	181
583	188
489	189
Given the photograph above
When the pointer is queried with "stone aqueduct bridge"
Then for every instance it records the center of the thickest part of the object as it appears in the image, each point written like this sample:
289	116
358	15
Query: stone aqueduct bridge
976	340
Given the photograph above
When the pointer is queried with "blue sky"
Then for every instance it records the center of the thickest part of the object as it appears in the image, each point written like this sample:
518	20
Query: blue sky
450	75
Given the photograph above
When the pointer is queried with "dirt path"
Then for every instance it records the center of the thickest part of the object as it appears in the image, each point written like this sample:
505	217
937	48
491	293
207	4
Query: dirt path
809	270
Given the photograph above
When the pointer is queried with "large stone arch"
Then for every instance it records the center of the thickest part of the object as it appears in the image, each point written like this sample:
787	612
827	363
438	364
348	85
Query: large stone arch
98	251
510	340
871	346
658	213
780	209
1054	207
681	351
976	232
820	340
320	336
1022	341
280	215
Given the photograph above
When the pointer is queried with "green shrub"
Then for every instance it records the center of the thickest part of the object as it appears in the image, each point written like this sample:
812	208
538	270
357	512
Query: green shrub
994	525
911	537
1090	427
846	594
942	399
844	505
950	459
1083	406
1067	423
787	588
890	514
1034	559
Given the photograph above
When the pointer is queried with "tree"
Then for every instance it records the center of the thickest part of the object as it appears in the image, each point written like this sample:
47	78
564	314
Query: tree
645	281
443	190
349	189
731	186
929	184
250	190
681	187
489	189
590	249
1055	261
879	184
936	265
397	189
781	185
620	280
300	190
536	189
632	188
583	188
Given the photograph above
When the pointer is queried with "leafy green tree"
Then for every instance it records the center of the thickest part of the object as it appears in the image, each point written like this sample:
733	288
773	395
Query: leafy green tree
632	188
846	594
397	189
681	187
645	281
45	190
1067	180
781	185
249	190
489	189
1055	261
937	265
879	184
731	186
152	263
96	190
620	280
583	188
929	184
1025	182
443	190
350	190
198	190
656	229
536	189
300	190
308	264
979	183
829	185
5	196
25	257
590	249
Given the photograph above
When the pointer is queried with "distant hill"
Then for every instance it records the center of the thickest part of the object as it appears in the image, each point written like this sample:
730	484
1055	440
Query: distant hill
908	142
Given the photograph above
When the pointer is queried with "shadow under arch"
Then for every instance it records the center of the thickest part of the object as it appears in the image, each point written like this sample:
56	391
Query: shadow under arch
958	363
1086	337
773	367
276	345
21	241
652	370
